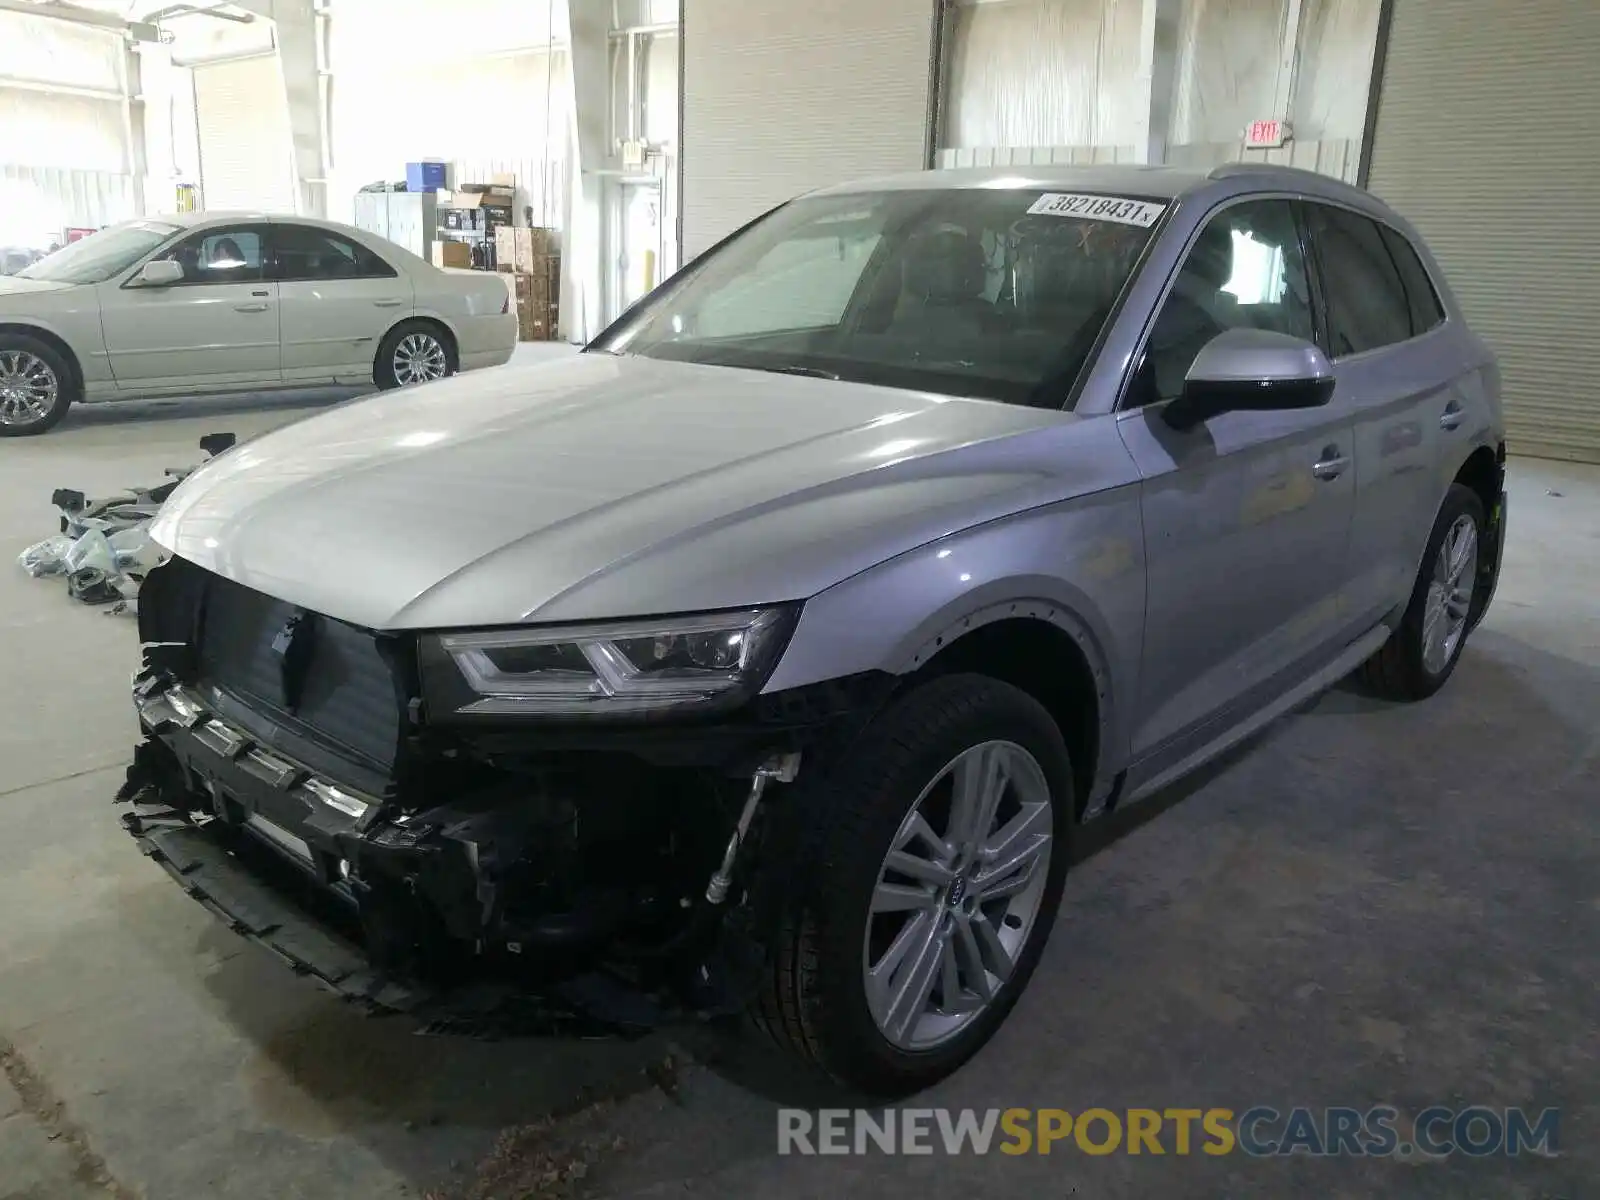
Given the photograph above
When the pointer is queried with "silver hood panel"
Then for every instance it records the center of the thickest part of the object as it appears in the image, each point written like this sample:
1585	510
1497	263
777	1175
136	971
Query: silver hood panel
599	487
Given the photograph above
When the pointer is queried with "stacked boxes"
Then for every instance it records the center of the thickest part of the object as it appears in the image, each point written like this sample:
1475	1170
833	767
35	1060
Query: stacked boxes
529	257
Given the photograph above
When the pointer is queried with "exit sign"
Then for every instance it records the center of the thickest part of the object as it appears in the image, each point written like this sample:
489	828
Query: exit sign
1266	135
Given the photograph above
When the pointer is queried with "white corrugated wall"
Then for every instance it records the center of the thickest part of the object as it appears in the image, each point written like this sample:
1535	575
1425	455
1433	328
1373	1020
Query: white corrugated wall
1486	124
1058	81
780	98
63	155
483	84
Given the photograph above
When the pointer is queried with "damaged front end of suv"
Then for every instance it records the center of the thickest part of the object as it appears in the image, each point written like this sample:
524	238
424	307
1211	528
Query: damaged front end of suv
495	828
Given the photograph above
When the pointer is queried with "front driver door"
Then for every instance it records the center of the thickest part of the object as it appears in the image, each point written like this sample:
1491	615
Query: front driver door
217	328
1247	516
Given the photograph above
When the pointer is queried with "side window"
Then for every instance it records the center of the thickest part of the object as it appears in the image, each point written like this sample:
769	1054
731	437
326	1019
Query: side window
1426	311
230	255
303	253
1367	305
1246	270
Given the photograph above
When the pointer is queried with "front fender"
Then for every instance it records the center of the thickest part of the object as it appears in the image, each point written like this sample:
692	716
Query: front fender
1078	564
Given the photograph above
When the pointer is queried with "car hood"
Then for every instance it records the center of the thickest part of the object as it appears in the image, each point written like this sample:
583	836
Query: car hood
12	287
602	486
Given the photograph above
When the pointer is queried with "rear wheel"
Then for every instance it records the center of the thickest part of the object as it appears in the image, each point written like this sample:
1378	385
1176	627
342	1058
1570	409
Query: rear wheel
414	352
1415	662
37	386
939	849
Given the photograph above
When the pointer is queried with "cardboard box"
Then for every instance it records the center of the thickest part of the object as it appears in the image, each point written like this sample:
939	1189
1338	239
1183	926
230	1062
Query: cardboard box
447	253
522	250
503	182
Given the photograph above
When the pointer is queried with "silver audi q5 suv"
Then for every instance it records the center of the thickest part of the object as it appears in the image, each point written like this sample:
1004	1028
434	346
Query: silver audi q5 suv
769	654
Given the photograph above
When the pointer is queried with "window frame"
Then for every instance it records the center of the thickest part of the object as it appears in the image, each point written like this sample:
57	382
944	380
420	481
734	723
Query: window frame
275	268
259	228
1384	227
1390	236
1124	402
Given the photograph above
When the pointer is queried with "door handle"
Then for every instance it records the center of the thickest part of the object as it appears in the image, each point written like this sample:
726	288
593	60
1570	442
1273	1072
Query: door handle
249	308
1331	465
388	303
1453	416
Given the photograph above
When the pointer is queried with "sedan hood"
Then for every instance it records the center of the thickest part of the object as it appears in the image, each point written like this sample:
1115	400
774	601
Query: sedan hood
12	286
602	486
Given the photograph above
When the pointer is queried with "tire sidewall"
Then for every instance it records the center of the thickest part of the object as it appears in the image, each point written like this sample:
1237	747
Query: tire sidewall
853	859
1459	501
66	384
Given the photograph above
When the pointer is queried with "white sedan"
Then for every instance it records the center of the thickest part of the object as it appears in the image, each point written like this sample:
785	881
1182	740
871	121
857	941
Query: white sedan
220	302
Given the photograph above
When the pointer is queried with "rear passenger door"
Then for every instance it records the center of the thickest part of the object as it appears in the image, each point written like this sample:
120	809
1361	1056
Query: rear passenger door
1380	309
337	299
1246	516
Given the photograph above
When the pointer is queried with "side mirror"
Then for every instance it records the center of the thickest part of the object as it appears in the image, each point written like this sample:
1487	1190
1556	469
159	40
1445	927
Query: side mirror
161	272
1251	370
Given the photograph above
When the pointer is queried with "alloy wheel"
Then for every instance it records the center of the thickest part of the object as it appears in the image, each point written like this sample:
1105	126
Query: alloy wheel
957	895
1449	602
28	388
419	358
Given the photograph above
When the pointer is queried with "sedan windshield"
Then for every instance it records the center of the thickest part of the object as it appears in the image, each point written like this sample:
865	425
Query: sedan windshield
100	255
993	293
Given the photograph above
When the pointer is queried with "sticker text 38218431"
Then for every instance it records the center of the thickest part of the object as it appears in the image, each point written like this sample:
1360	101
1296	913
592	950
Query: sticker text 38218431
1098	208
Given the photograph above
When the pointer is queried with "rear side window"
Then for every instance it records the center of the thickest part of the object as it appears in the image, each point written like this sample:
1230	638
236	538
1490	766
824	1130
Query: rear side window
307	253
1367	303
1426	311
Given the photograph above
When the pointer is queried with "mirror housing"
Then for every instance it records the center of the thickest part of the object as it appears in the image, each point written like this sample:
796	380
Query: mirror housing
1251	370
160	272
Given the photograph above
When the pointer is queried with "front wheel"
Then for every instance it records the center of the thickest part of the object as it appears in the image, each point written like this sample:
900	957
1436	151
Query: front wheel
936	860
413	352
36	386
1422	654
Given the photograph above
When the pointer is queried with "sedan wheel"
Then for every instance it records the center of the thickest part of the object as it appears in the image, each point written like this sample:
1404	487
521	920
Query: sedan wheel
957	895
420	358
29	388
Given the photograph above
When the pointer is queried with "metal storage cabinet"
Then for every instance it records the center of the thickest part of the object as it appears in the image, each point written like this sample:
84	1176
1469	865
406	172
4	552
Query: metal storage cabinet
407	219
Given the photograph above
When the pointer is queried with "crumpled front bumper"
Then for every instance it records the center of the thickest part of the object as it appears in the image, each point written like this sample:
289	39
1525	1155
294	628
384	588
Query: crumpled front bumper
334	882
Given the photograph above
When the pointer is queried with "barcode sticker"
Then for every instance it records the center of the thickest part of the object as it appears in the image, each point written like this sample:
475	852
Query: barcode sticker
1098	208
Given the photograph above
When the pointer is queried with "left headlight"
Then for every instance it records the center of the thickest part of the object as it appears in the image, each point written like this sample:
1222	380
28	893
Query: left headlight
614	669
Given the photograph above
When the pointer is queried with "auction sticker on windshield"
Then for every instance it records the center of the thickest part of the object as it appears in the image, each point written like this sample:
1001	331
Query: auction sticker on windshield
1098	208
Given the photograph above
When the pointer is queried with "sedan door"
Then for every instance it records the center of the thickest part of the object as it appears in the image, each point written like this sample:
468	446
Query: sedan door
218	328
338	300
1247	516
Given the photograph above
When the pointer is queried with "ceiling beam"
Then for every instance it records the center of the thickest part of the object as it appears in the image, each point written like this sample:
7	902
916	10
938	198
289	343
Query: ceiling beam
67	12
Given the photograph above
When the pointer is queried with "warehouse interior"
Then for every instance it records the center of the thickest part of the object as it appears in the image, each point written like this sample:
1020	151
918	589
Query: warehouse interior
1373	904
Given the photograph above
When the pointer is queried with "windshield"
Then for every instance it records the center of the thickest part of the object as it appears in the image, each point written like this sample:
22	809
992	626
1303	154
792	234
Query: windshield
99	256
993	293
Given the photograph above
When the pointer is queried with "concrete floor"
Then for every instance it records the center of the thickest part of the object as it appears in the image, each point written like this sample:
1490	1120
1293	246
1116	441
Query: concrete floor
1374	904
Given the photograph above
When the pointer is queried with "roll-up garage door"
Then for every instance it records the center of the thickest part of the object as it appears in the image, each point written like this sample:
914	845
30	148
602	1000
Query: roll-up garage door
246	155
1486	115
780	98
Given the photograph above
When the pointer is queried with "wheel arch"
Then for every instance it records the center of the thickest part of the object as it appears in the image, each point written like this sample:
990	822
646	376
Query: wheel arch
56	342
1045	650
452	343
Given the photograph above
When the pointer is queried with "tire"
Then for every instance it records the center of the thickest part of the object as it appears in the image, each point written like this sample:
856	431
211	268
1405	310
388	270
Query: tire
814	1001
33	373
1404	669
417	337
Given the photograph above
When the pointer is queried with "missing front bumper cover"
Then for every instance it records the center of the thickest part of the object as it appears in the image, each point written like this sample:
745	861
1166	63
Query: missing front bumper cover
445	913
